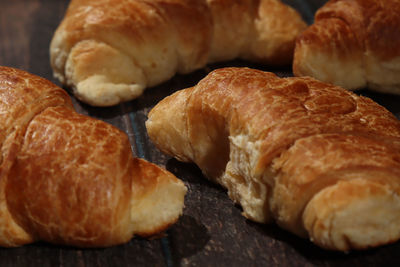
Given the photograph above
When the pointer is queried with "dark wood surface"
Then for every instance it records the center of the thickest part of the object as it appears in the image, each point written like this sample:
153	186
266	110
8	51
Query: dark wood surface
212	231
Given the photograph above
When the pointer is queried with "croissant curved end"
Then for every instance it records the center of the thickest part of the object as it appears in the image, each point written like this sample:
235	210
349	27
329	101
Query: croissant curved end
363	214
97	91
160	203
99	74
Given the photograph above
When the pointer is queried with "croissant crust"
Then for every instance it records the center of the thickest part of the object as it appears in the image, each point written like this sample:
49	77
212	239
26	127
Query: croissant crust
321	161
353	44
70	179
109	51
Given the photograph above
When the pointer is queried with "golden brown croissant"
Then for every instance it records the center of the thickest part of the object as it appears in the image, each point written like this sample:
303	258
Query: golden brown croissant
353	44
109	51
319	160
70	179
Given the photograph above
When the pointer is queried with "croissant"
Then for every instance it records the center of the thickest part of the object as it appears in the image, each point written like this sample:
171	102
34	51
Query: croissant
353	44
109	51
70	179
317	159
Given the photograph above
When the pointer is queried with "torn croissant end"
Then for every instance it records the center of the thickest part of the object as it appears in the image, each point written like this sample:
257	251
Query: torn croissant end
320	161
70	179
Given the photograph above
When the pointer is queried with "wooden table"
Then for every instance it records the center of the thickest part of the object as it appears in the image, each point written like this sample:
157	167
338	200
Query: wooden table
212	231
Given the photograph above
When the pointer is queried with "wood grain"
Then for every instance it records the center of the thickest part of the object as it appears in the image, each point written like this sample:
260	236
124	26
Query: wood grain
212	231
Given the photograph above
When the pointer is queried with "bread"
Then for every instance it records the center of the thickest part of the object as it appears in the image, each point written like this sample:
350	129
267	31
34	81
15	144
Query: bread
317	159
70	179
353	44
109	51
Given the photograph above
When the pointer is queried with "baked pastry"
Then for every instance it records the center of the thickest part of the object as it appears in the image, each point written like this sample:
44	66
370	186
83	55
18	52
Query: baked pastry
70	179
317	159
353	44
109	51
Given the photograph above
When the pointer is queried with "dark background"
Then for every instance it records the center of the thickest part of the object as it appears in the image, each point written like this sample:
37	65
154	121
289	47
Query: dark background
211	232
